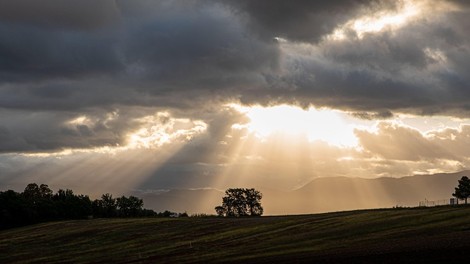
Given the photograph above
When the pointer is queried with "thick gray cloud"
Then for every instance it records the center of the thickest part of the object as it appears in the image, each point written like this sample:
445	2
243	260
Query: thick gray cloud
41	53
67	14
154	48
205	49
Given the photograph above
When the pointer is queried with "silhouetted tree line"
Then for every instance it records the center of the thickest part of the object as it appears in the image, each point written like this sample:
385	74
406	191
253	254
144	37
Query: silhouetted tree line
38	203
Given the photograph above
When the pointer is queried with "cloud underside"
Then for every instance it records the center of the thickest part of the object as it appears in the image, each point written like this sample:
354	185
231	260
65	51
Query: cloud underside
164	71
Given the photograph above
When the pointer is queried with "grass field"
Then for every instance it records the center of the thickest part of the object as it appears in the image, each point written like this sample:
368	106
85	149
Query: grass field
419	235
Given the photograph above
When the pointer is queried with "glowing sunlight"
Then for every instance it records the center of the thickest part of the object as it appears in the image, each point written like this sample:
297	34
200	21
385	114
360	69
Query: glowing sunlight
325	125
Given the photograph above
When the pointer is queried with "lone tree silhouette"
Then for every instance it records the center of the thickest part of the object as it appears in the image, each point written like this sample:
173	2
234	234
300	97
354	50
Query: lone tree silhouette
240	202
462	191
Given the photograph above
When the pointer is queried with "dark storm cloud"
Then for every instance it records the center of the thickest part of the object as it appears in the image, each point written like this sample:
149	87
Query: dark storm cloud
84	14
206	49
155	48
32	53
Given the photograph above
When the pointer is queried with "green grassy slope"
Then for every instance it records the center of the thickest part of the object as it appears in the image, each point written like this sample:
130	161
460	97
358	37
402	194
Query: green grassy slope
388	236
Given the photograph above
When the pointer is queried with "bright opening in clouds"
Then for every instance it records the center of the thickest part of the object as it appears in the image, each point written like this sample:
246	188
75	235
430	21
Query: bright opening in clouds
325	125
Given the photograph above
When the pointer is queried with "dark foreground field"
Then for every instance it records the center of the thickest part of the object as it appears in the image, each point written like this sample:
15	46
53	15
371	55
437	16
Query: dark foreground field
428	235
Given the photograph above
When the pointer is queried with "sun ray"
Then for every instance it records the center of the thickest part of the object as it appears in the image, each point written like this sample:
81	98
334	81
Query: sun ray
238	144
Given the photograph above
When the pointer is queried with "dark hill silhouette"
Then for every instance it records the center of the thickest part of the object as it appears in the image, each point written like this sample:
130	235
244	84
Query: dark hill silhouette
322	195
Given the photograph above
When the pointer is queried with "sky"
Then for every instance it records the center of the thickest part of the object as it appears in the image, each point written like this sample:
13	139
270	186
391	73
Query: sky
146	96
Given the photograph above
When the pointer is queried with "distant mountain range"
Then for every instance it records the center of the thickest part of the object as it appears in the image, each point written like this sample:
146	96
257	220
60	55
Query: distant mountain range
322	195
